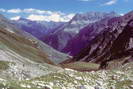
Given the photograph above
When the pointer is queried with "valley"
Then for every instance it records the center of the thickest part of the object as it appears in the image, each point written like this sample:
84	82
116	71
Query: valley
98	55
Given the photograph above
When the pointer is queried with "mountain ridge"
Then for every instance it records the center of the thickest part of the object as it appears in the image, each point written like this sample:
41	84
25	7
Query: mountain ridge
115	42
60	38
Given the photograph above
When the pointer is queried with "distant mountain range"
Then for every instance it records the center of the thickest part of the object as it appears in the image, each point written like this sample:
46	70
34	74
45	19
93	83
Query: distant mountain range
60	35
60	38
89	37
37	28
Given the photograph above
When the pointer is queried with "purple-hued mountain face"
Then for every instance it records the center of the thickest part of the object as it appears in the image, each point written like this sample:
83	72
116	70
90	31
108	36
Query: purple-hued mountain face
37	28
113	43
86	34
63	34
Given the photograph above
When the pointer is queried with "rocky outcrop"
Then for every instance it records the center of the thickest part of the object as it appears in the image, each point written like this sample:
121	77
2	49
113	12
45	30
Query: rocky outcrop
114	42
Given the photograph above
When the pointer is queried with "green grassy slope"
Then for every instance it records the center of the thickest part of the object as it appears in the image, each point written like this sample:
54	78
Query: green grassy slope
23	46
82	66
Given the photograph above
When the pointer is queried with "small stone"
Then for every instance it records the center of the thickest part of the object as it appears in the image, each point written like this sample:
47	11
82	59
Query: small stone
96	87
46	87
81	87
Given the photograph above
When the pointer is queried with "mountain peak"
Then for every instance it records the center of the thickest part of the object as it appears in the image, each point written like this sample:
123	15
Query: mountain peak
23	19
128	15
92	15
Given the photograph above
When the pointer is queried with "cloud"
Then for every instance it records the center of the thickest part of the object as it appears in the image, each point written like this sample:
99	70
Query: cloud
28	11
110	2
14	11
15	18
38	15
54	17
122	14
31	10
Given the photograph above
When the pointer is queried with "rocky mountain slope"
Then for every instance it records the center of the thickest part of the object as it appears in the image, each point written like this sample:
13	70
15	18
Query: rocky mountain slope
81	40
59	39
114	43
56	56
20	57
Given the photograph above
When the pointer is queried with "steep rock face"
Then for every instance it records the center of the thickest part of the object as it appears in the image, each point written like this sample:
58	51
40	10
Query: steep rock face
81	40
60	38
114	42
